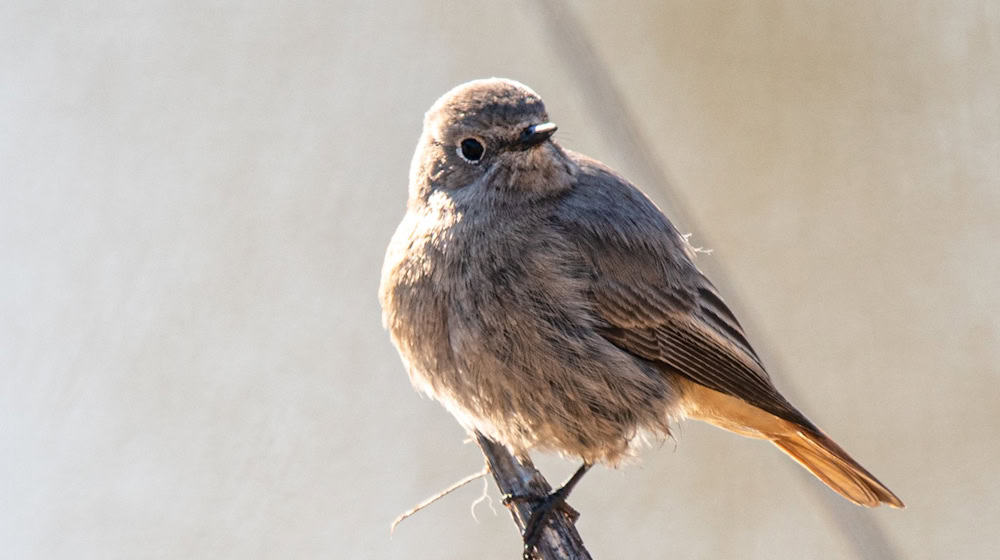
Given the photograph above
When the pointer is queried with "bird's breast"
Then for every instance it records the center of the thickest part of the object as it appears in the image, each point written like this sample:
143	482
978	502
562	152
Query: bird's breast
494	320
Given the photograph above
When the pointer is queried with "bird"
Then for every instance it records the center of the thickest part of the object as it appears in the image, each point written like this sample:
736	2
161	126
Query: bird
550	305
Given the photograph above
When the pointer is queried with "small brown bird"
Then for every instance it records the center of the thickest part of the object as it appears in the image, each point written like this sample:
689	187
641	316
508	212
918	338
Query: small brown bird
547	303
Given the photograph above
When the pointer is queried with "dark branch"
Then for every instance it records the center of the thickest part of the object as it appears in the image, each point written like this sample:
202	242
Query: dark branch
518	477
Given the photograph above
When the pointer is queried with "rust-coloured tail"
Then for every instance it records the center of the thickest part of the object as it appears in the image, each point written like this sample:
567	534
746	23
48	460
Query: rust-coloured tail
801	441
831	464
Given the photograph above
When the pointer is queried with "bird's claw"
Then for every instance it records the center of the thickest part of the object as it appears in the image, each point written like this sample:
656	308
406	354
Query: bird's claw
541	514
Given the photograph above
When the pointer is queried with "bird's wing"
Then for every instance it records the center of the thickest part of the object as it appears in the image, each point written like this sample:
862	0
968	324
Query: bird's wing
651	299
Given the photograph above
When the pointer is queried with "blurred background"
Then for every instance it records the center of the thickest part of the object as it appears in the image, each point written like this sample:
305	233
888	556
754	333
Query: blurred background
196	198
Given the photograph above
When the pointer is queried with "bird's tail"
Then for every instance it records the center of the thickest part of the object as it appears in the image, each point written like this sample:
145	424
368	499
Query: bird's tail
810	447
831	464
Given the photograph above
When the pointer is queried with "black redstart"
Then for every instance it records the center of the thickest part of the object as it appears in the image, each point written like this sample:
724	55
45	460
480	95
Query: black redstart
547	303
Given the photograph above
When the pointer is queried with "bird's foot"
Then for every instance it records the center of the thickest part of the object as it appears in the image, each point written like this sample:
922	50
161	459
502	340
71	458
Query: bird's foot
543	507
563	506
541	513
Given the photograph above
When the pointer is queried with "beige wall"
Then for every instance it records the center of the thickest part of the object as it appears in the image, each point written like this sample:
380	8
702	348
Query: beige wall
195	202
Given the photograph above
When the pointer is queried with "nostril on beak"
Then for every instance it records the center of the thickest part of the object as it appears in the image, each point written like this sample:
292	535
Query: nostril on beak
537	133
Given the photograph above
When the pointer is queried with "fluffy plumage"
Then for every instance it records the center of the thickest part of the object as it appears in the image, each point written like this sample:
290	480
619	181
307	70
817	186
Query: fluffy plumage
548	303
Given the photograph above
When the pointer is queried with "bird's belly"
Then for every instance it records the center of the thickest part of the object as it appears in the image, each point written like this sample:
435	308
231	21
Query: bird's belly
506	340
534	373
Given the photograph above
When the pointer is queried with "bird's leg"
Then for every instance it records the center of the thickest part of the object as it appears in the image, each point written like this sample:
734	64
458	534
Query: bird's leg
540	513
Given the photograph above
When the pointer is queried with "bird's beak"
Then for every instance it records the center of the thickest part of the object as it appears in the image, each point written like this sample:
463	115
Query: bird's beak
536	134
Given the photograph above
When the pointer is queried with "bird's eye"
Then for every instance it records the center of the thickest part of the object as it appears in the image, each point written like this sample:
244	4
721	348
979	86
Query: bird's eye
471	150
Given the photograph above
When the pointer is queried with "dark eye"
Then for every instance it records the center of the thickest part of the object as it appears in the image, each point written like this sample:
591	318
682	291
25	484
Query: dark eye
471	150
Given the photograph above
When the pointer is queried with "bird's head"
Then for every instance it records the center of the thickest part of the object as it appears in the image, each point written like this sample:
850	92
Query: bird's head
489	138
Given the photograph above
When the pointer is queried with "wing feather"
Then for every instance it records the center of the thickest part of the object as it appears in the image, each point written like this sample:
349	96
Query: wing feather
652	299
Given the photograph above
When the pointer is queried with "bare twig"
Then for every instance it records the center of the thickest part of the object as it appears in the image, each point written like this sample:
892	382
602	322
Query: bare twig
518	477
437	497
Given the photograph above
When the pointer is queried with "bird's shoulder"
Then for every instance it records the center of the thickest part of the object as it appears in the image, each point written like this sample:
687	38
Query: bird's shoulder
625	237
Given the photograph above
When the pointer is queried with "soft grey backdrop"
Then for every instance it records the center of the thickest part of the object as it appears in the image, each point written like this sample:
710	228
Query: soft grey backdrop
195	198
